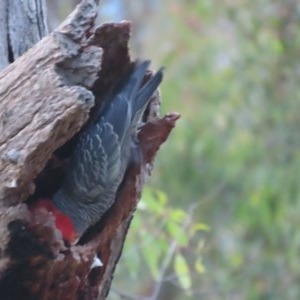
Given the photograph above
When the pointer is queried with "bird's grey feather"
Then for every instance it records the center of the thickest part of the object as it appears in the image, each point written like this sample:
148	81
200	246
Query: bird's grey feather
103	152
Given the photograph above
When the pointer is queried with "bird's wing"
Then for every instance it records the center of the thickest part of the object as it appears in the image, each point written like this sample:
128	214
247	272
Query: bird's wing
143	96
142	99
95	163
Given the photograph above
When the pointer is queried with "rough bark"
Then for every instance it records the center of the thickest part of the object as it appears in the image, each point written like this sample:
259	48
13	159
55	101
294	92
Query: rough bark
45	101
22	23
4	61
45	98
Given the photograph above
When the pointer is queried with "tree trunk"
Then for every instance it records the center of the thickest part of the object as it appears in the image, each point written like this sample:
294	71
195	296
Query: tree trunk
46	96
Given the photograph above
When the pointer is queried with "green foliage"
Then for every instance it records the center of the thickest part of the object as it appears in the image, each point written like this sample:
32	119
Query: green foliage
182	271
159	236
233	74
236	150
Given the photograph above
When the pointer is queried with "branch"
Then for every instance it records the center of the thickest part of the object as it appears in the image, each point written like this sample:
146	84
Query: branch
170	254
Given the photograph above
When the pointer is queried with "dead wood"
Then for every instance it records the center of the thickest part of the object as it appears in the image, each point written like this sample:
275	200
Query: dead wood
46	96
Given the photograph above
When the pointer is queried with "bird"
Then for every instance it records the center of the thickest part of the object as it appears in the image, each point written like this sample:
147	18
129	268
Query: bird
103	153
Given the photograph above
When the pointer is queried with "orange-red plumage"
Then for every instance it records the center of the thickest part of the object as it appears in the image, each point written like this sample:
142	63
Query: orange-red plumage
62	222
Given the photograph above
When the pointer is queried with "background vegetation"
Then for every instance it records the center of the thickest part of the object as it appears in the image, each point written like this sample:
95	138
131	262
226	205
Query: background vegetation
220	217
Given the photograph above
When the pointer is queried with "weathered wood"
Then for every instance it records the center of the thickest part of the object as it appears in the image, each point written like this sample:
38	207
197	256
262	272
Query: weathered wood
26	24
3	36
23	24
45	98
44	101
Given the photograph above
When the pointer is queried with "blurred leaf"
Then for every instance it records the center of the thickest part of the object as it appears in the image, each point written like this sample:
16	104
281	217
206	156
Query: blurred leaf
200	227
199	267
161	197
154	201
176	233
177	215
151	256
182	271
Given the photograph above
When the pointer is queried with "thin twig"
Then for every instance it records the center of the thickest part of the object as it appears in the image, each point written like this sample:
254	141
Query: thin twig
170	254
